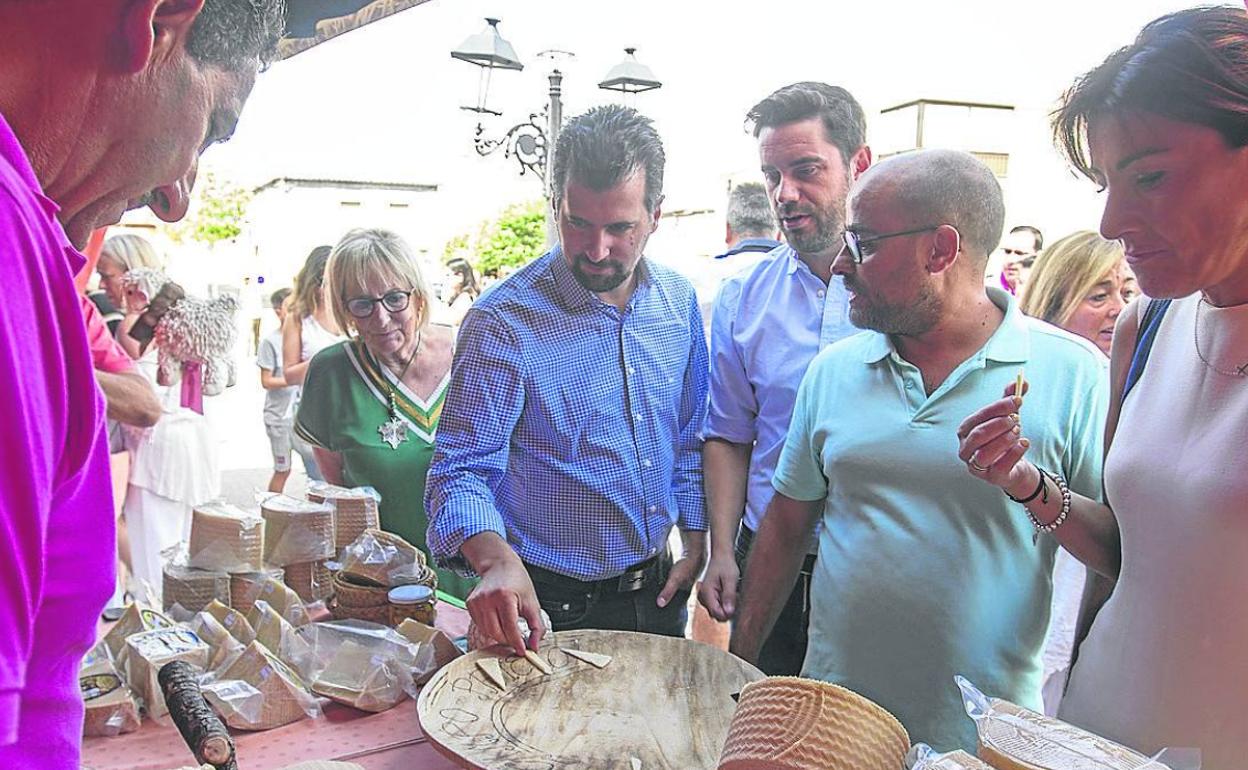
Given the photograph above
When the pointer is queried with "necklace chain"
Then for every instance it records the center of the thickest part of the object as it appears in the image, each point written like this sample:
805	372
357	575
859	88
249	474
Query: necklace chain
394	409
1242	371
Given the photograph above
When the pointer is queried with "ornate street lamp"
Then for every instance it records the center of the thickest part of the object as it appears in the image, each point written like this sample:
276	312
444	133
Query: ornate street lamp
530	143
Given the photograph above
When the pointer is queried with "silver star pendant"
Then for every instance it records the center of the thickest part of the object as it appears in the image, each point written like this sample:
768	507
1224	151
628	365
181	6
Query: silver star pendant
393	432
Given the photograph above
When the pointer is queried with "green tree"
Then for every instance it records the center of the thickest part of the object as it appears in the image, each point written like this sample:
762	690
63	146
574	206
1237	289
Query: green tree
217	213
515	238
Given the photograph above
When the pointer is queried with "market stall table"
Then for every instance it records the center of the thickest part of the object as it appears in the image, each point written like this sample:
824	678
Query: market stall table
391	740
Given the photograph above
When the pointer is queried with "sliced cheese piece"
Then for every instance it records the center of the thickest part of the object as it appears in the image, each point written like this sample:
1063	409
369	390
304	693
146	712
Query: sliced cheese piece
537	662
363	677
1014	738
493	671
595	659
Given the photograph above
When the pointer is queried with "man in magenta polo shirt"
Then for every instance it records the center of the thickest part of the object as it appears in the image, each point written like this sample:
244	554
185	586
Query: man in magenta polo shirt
104	106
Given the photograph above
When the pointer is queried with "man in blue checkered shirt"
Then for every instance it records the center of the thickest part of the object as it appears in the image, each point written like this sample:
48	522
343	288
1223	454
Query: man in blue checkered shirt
569	444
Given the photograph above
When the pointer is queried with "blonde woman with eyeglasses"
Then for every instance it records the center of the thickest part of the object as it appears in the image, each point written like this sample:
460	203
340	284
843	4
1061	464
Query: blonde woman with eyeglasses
370	404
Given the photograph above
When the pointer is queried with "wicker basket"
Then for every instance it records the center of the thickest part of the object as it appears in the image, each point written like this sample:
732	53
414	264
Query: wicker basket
789	723
350	593
379	614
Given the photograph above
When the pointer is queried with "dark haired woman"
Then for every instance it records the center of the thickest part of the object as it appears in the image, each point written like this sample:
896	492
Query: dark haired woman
1162	127
463	292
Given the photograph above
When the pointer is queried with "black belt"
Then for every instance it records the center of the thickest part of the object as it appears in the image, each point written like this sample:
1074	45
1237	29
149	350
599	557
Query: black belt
745	537
648	573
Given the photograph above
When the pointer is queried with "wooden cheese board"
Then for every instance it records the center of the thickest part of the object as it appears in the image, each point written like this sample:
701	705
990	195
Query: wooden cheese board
658	703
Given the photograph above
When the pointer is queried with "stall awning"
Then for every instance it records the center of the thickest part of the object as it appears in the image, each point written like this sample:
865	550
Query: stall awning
312	22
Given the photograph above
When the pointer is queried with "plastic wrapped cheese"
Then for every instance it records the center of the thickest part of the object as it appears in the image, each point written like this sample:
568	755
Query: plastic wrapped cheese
364	665
149	651
385	559
280	597
1015	738
225	538
444	650
234	621
278	635
109	705
297	530
222	646
311	580
257	691
137	618
243	586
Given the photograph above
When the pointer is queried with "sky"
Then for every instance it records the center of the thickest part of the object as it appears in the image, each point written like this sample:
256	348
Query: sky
382	103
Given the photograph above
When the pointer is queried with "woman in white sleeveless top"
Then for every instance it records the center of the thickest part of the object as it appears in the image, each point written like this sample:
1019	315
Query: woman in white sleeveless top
173	464
1162	126
309	328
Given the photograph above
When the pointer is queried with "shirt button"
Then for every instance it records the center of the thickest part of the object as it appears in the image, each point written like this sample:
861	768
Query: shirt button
909	385
653	509
821	293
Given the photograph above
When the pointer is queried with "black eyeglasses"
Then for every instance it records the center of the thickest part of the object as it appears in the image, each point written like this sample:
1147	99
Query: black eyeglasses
854	242
395	301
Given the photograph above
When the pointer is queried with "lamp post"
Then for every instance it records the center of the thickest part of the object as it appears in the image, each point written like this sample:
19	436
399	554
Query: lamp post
531	143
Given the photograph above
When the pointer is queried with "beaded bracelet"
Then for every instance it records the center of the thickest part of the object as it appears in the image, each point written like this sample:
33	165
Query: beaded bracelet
1065	510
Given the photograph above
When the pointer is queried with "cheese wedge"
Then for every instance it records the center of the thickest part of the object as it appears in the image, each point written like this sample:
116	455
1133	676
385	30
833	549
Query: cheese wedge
363	677
233	621
595	659
259	692
296	530
493	671
149	651
537	662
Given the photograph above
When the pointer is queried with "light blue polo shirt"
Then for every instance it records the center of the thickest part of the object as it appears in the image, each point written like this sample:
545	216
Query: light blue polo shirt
925	571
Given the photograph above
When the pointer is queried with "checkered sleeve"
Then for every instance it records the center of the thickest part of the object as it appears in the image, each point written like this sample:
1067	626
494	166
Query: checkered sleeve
687	470
483	404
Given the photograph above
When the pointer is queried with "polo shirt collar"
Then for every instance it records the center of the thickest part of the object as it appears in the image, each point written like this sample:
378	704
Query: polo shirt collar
1009	343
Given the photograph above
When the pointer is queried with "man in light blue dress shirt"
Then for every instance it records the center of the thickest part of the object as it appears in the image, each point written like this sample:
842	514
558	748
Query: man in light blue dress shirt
570	442
925	570
768	323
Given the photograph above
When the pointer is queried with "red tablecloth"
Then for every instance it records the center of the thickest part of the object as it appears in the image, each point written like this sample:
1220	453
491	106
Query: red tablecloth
391	740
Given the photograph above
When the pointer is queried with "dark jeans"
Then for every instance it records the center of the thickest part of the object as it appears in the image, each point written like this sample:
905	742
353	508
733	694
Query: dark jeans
573	605
785	650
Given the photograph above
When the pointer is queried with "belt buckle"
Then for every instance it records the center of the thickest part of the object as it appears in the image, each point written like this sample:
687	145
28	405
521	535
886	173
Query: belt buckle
630	581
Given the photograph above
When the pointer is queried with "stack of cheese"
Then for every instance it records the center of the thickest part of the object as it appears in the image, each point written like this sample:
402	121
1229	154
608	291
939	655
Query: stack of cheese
355	510
297	531
109	704
149	651
1014	738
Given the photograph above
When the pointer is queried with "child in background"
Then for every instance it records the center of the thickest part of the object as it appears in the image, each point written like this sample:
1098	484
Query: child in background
279	399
